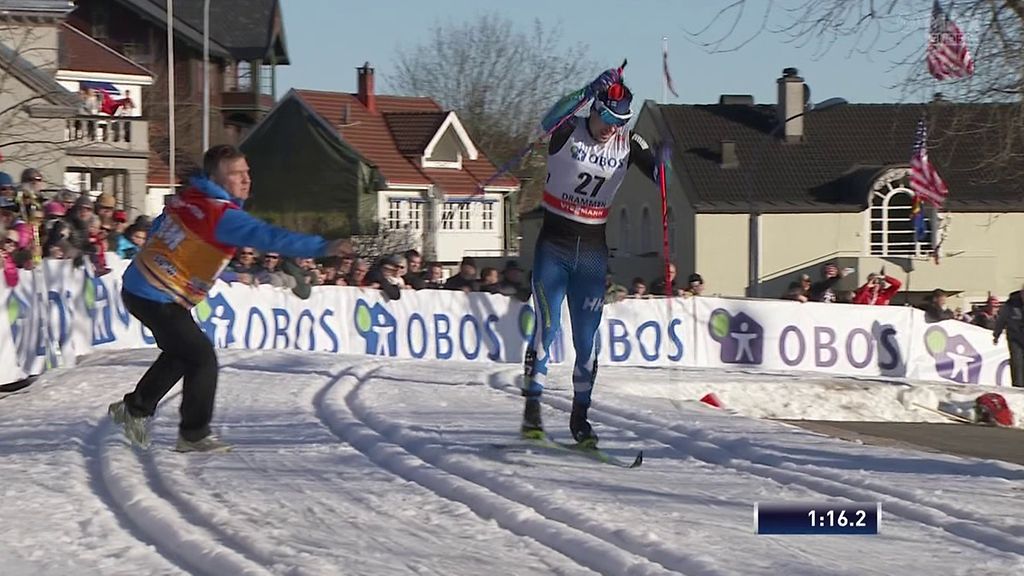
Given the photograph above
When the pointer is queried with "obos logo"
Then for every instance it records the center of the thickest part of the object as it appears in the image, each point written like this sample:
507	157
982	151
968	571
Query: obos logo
17	318
217	319
99	306
378	328
955	358
740	336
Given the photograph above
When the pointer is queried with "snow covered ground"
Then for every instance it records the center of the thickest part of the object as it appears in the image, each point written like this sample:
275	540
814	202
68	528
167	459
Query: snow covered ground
356	465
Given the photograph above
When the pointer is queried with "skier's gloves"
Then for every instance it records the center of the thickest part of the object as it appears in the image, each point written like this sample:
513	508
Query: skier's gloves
342	247
603	82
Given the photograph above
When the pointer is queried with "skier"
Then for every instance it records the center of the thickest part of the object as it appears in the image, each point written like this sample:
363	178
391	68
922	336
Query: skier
587	161
188	246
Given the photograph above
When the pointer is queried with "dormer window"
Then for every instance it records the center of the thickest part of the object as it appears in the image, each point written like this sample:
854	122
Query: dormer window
449	146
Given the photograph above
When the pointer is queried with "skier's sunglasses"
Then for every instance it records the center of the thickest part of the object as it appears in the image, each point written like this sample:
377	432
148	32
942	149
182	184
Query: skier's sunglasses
608	117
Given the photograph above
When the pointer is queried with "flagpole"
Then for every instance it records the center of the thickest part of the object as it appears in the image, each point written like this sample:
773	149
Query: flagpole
206	75
170	91
664	80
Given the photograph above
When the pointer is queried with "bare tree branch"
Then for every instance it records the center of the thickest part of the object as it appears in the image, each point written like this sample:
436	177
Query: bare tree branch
499	79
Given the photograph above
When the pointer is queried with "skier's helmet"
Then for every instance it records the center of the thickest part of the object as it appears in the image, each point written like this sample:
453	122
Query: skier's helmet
613	105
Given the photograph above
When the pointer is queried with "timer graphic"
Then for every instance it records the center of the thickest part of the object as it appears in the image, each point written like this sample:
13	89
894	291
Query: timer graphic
817	517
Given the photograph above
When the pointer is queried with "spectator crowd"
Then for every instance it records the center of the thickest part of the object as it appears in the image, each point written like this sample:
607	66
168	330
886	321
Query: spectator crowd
75	227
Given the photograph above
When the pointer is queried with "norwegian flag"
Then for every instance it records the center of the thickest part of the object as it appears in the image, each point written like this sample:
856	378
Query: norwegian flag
924	179
948	56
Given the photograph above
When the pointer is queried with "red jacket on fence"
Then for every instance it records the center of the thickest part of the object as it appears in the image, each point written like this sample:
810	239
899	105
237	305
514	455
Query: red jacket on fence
874	294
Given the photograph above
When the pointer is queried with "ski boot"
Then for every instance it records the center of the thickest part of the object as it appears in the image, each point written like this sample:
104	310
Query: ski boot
582	431
208	444
532	428
134	426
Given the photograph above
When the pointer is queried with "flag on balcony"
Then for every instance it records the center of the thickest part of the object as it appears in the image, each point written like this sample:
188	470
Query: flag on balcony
947	53
924	178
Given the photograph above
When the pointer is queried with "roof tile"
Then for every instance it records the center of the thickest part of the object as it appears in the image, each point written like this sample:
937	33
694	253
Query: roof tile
842	145
394	138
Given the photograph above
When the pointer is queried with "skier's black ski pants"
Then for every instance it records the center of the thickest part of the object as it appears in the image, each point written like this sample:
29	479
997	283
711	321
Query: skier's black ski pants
186	353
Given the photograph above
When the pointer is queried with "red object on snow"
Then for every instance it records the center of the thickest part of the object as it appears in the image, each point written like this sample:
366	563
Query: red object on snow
992	407
712	400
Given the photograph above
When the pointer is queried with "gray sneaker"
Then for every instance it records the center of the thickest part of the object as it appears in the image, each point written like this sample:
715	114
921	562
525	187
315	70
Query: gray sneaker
134	426
208	444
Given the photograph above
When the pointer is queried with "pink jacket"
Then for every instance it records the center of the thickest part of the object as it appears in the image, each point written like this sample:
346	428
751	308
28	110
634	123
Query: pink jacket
25	235
10	271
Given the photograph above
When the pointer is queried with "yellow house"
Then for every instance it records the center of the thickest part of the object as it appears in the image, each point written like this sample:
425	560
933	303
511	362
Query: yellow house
762	193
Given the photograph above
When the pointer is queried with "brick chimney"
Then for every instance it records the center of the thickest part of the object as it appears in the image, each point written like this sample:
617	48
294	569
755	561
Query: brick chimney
366	94
791	103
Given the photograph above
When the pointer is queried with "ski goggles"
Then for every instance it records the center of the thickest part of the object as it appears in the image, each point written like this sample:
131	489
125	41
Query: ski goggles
611	118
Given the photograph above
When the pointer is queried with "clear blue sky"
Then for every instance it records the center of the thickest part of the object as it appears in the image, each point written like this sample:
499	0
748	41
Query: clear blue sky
328	39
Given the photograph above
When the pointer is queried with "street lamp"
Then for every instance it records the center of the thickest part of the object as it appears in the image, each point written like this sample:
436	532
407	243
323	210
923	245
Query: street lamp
754	271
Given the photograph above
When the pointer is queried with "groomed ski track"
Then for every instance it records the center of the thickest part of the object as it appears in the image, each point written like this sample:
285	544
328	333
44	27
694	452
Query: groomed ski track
361	465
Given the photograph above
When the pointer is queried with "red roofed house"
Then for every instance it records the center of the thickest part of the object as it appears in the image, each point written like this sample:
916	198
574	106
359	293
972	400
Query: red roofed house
106	152
428	170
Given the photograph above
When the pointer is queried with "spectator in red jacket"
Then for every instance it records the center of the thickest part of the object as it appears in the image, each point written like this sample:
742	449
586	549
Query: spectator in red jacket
878	291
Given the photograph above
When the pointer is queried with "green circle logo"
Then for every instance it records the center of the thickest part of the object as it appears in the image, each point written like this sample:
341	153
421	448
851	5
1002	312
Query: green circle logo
364	320
935	340
203	310
719	324
527	321
90	294
13	311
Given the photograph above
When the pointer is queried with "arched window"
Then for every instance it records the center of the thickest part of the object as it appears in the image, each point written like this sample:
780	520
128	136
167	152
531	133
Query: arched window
646	244
623	232
891	219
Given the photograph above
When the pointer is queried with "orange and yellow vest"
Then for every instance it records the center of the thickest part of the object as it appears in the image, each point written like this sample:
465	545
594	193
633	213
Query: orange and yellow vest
182	257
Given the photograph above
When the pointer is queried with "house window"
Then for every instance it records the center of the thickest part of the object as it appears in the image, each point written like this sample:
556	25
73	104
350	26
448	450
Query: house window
624	232
394	214
267	80
464	215
892	230
136	52
488	216
100	21
448	217
415	215
243	76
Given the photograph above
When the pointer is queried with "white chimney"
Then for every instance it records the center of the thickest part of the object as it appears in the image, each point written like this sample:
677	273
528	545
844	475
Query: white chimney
791	103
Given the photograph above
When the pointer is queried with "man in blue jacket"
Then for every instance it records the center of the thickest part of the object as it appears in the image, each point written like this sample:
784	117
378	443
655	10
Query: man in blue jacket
188	246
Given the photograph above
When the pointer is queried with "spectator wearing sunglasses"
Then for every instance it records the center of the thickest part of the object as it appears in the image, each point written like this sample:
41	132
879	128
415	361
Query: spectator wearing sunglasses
10	220
587	161
7	250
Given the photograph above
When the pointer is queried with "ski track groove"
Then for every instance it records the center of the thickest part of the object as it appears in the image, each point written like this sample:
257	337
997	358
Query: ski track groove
218	520
337	406
703	446
145	513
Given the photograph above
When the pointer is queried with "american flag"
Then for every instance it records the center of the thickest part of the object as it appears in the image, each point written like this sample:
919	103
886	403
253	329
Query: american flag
948	56
924	179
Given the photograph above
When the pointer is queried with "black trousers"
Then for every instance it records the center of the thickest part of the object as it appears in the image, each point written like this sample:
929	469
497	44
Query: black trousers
186	353
1016	362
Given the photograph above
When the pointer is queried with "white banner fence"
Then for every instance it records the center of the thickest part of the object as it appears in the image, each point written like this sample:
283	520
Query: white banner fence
85	313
